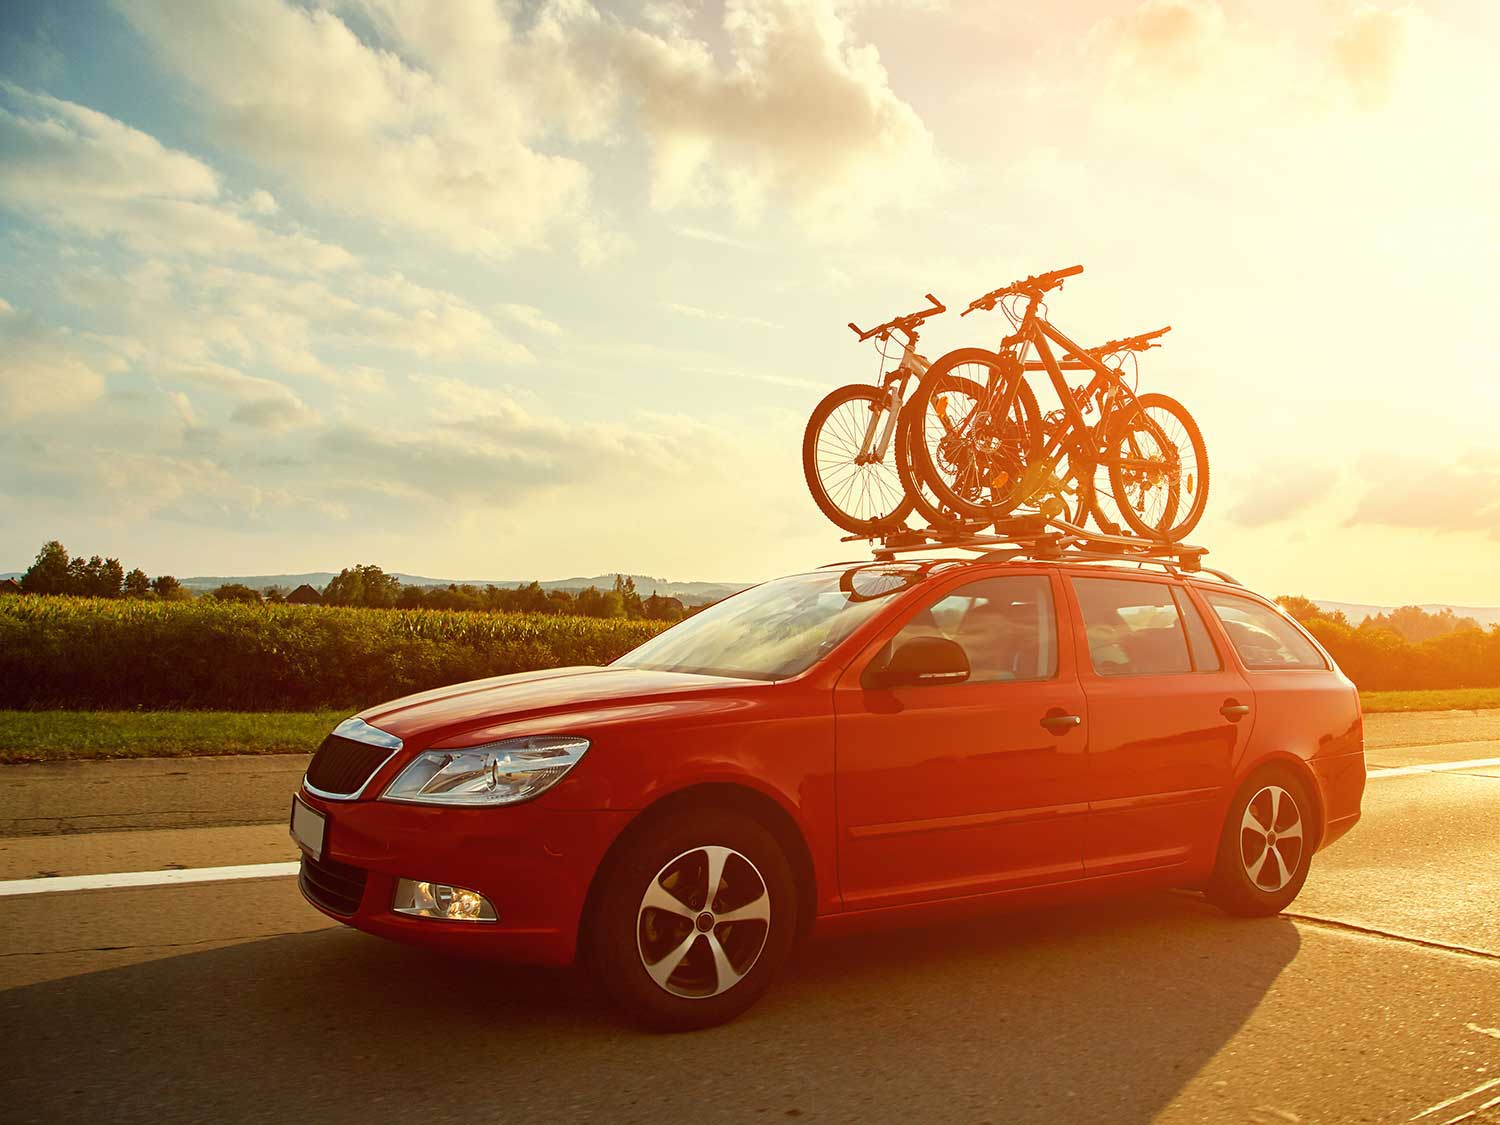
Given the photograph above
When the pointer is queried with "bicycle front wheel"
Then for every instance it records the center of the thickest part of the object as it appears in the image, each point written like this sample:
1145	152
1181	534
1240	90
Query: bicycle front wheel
925	502
1158	467
852	484
973	460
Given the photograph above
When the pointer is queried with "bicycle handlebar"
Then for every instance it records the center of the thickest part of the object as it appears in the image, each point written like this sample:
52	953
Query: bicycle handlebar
1131	343
1032	287
902	323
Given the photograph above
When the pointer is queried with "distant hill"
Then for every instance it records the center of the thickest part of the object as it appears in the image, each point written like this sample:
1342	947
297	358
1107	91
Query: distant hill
1355	612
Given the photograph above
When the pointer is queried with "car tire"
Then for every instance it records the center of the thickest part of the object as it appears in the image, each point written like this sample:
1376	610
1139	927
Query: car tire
1266	845
655	939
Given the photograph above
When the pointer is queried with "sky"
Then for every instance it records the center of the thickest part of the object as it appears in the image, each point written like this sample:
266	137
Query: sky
511	290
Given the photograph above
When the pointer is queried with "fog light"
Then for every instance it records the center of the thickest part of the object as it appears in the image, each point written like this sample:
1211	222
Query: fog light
439	900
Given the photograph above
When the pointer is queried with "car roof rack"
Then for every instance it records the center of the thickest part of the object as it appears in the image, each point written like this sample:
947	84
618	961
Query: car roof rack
1047	539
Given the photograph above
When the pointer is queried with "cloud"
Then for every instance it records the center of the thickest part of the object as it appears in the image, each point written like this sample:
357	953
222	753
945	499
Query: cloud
1280	491
707	314
73	167
43	371
1413	492
477	129
1368	50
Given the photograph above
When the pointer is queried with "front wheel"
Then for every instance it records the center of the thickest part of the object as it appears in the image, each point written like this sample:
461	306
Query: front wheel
1158	467
852	480
697	913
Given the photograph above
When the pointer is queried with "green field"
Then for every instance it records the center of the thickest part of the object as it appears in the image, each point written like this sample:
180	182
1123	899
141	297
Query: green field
62	736
1440	699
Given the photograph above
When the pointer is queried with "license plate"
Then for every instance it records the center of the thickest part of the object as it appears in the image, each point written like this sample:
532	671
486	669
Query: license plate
308	827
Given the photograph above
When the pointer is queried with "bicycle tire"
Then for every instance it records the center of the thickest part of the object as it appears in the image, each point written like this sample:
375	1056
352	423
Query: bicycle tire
937	516
1026	441
891	504
1184	482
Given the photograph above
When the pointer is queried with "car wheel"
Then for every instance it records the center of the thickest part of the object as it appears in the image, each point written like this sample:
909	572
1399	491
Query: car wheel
1266	846
696	914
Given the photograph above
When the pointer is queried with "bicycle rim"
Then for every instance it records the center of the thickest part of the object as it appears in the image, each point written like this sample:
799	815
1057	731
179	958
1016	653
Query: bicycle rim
859	495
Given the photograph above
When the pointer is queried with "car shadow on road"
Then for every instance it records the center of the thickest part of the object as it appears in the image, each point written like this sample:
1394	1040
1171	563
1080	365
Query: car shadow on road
1087	1013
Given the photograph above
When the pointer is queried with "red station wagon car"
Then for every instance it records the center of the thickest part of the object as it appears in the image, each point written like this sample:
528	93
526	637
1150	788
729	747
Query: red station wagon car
852	747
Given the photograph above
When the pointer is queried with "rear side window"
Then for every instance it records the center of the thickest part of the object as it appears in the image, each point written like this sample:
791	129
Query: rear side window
1134	628
1006	627
1262	637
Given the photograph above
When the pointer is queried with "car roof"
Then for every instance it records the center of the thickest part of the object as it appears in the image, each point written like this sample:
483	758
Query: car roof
1123	566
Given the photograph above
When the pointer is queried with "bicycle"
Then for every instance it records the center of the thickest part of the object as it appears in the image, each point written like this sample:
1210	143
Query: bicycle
1148	448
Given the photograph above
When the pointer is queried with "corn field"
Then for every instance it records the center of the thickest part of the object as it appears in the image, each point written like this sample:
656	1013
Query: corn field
61	652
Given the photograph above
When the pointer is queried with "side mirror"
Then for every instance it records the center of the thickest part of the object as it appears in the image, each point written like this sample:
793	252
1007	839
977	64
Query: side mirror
921	661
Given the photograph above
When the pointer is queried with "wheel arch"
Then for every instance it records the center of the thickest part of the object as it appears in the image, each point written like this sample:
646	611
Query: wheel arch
728	795
1285	759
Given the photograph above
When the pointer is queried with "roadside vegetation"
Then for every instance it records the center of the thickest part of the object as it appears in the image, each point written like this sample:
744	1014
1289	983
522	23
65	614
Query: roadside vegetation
1406	650
65	736
98	653
1450	699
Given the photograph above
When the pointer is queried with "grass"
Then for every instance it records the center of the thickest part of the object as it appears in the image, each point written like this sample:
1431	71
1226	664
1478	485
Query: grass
64	736
1440	699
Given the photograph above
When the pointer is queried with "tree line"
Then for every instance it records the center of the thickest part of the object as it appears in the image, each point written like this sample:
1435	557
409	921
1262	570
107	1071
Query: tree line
363	586
1406	649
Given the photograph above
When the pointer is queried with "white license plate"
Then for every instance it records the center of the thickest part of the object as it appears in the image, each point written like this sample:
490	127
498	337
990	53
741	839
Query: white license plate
308	826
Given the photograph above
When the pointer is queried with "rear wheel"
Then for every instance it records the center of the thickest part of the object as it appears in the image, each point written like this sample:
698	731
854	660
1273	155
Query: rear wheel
1265	847
974	462
698	912
856	489
925	502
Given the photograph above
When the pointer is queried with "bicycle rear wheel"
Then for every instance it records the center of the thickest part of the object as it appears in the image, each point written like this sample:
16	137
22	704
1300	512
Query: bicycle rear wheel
856	490
1158	467
974	463
925	502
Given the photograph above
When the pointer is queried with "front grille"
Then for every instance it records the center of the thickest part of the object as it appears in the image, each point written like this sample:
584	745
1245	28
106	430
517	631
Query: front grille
342	766
334	886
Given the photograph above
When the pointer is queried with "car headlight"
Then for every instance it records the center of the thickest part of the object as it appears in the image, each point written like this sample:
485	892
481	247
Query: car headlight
496	773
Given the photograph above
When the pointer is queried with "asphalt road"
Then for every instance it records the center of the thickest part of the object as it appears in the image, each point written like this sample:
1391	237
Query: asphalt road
1376	998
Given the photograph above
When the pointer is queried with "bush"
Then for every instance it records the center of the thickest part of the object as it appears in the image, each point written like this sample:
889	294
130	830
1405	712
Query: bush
97	653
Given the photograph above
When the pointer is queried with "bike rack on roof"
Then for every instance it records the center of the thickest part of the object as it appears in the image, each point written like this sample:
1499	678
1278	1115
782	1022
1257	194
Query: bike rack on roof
1052	540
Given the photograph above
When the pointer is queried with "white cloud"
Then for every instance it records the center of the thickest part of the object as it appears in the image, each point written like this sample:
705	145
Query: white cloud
708	314
43	371
468	128
79	169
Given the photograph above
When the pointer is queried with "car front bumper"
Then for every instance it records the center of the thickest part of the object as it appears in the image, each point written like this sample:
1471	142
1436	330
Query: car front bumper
532	863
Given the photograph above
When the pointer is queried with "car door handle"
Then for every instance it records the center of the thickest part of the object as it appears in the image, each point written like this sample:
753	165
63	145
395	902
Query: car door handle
1234	711
1061	724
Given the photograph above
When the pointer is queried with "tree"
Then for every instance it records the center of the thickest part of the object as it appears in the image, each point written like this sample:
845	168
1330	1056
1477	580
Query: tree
1417	625
49	573
168	589
235	592
630	601
137	585
1307	611
658	608
364	585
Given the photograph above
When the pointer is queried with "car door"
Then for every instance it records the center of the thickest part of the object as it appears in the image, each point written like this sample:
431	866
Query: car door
1167	717
951	789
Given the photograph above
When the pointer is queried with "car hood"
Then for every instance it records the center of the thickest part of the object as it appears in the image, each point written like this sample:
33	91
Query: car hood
444	711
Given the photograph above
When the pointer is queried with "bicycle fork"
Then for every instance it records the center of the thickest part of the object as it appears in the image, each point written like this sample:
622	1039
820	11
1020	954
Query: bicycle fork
871	450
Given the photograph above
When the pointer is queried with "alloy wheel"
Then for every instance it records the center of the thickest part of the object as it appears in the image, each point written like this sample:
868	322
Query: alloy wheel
1271	840
703	922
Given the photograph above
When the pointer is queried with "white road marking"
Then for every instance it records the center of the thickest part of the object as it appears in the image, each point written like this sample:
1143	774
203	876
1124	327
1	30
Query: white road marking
1455	1100
1436	767
145	878
1492	1032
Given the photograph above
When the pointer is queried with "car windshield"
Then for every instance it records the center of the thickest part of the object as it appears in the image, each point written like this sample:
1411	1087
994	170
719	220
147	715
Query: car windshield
775	630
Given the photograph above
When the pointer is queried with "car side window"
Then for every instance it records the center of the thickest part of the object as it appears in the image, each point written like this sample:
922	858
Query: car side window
1007	627
1200	644
1262	637
1134	628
